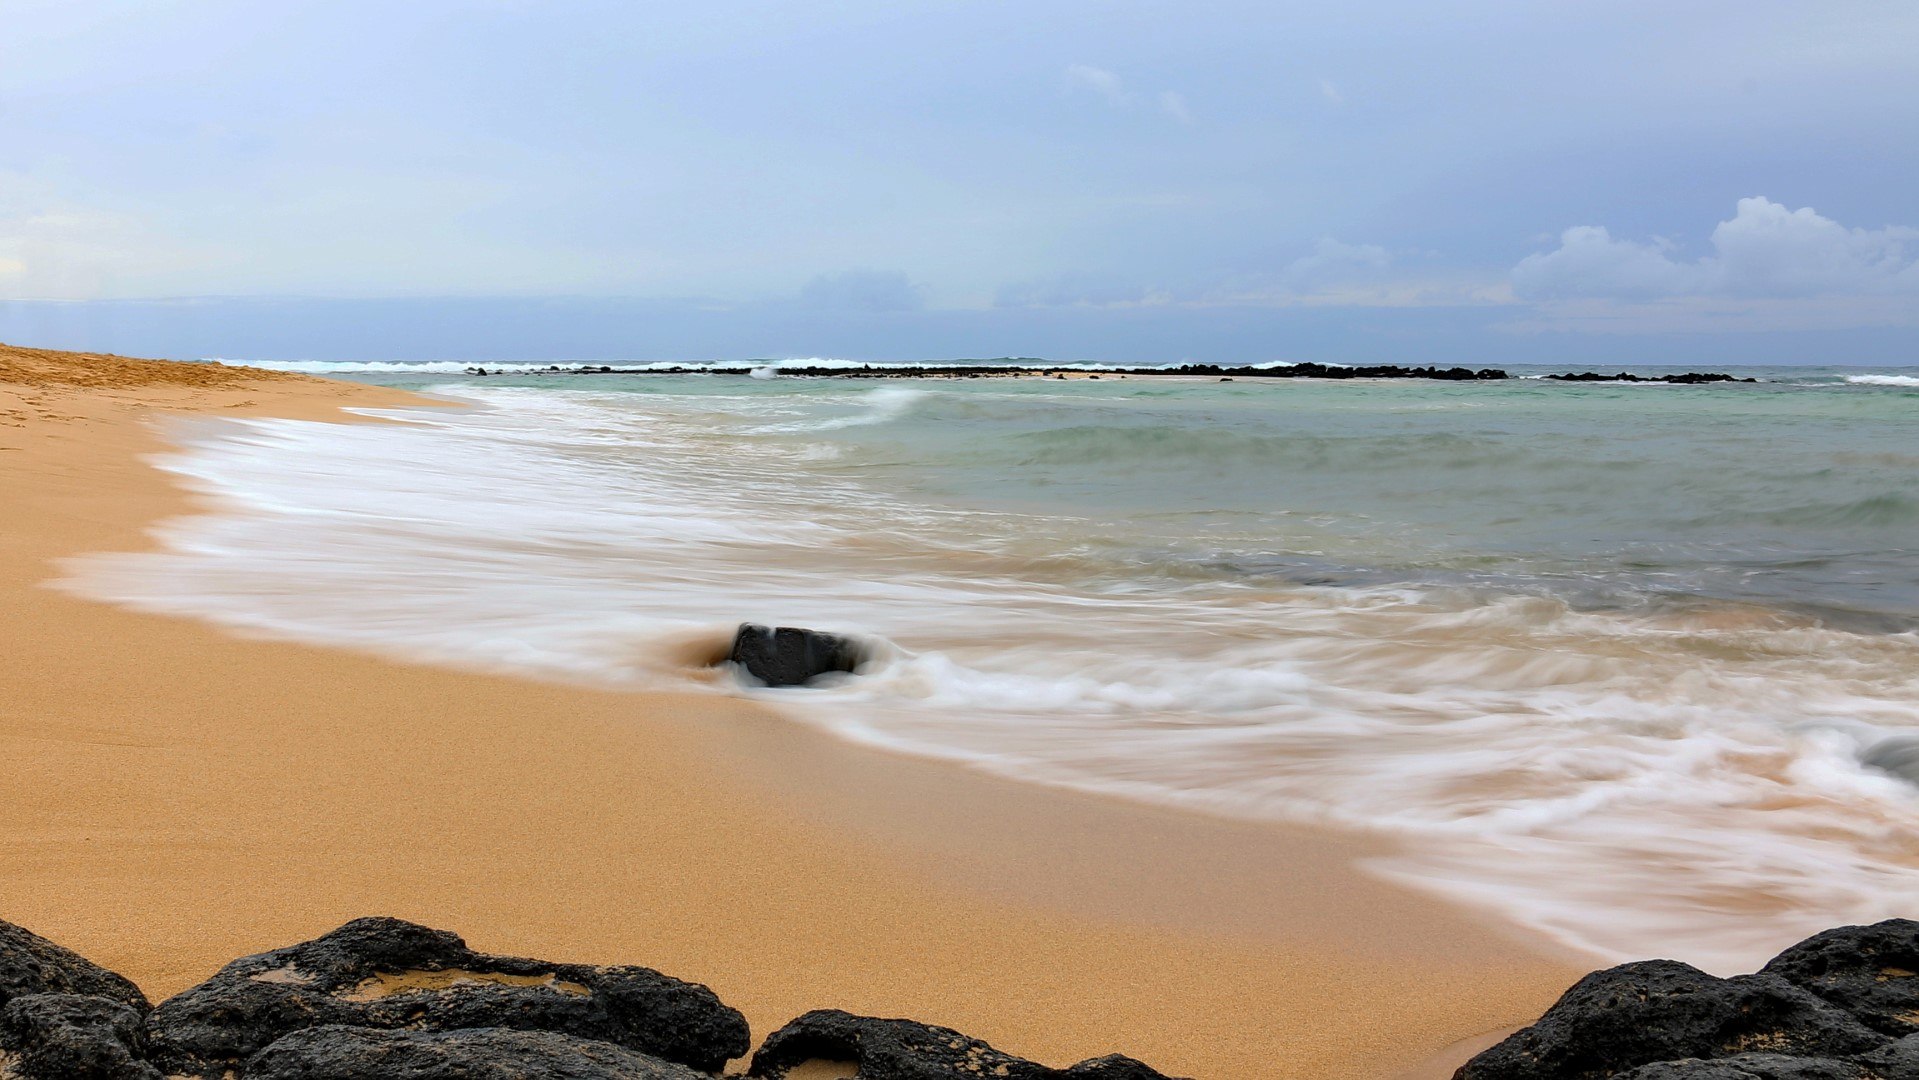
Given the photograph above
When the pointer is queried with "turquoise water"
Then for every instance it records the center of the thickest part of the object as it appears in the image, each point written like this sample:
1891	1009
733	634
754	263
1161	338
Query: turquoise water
1610	659
1802	491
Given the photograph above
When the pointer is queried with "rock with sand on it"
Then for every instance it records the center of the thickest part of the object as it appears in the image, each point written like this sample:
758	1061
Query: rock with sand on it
390	974
350	1053
30	964
793	656
1871	972
73	1037
906	1050
1636	1014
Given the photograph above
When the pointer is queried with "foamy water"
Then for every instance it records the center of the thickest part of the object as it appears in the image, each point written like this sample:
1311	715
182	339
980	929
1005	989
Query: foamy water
1607	658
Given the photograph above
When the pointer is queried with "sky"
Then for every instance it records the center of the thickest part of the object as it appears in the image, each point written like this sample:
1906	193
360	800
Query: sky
1599	183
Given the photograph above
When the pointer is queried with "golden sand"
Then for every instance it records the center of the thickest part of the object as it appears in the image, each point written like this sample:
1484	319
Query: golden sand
174	797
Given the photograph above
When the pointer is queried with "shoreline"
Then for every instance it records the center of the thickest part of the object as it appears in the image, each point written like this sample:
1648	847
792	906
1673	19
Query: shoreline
176	784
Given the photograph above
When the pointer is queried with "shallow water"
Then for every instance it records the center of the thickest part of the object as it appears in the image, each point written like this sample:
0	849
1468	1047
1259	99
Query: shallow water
1607	656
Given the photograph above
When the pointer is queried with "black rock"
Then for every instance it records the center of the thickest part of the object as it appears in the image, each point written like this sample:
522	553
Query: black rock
30	964
349	1053
906	1050
1897	1060
1871	972
1661	1011
1898	755
1749	1067
790	656
385	973
72	1037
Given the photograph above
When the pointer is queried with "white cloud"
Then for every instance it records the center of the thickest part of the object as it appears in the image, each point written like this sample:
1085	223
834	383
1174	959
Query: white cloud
1098	80
1109	87
1332	261
1174	105
1763	251
1333	274
863	290
1330	92
1079	290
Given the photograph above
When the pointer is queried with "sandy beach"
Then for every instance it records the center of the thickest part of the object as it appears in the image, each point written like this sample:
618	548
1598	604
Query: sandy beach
177	796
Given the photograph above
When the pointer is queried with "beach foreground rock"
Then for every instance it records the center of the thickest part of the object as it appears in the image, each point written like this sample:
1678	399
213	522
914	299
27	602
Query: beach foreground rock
1841	1005
348	1053
388	999
906	1050
30	964
388	974
73	1037
791	655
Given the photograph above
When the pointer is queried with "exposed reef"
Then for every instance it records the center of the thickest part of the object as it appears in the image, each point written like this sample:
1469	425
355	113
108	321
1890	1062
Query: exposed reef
1028	368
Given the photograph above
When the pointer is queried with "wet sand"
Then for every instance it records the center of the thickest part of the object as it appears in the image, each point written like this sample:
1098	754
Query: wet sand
176	796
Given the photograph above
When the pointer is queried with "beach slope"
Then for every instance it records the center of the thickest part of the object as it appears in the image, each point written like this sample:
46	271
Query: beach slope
175	796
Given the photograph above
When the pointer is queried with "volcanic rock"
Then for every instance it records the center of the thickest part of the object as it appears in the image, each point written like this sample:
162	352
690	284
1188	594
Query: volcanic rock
72	1037
906	1050
1871	972
792	656
350	1053
1664	1011
388	974
30	964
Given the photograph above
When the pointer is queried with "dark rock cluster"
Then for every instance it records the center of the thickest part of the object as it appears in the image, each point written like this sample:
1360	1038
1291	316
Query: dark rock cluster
381	998
1841	1005
1690	378
1018	366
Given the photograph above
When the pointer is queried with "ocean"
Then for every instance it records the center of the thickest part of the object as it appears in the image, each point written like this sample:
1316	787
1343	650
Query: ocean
1612	661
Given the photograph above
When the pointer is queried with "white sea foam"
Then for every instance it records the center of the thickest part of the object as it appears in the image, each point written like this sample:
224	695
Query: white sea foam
1883	380
1634	784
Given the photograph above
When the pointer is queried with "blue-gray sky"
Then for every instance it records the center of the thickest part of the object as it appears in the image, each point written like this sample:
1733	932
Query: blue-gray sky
1146	181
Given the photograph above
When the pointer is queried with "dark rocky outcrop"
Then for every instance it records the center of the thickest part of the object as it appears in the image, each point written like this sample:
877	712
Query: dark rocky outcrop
1840	1005
348	1053
73	1037
1014	368
1661	1011
1897	1060
1690	378
905	1050
385	973
1898	755
30	964
1748	1067
1871	972
792	656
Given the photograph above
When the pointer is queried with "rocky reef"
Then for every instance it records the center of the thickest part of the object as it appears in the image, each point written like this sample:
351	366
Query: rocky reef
385	998
1027	367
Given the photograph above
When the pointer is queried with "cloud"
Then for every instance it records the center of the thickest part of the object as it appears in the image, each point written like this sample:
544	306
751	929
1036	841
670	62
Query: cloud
863	290
1333	274
1078	290
1109	87
1333	261
1765	251
1098	80
1330	92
